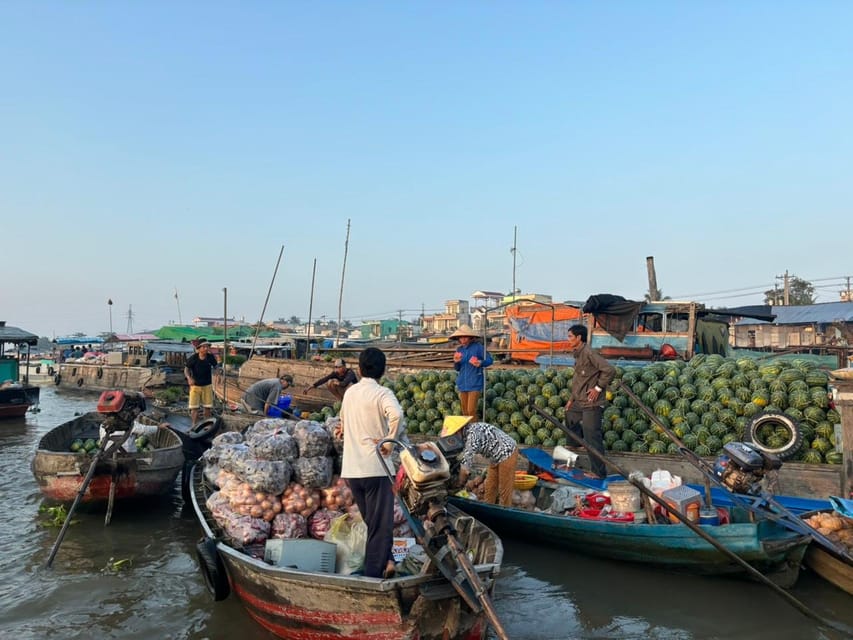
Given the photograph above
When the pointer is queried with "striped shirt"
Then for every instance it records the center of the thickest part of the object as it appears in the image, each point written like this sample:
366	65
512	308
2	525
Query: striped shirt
488	441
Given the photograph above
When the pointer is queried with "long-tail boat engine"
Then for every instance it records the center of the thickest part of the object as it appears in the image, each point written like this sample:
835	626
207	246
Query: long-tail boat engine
741	467
120	410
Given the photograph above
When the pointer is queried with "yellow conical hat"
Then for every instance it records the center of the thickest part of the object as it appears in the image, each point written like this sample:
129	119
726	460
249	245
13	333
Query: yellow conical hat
452	424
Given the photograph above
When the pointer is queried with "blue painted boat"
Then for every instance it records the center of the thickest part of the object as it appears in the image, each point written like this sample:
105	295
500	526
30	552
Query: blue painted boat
720	497
769	547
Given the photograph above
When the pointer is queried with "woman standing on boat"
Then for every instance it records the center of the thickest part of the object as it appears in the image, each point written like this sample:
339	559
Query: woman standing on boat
469	360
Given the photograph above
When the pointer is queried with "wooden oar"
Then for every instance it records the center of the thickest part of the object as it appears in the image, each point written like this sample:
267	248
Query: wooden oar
752	571
102	445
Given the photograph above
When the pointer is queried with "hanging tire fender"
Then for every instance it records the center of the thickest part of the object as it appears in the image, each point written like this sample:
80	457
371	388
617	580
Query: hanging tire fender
212	569
793	442
80	381
205	429
57	379
100	372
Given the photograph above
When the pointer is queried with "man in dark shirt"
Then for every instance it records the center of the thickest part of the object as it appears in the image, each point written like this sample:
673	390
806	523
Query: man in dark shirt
338	381
199	374
584	408
495	446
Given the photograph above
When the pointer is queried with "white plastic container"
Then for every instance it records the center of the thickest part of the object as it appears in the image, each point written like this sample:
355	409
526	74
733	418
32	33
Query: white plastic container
624	497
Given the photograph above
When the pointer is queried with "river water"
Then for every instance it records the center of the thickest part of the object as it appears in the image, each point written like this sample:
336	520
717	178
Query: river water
542	593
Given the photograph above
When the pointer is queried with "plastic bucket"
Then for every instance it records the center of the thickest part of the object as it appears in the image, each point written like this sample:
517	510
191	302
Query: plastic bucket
624	497
709	517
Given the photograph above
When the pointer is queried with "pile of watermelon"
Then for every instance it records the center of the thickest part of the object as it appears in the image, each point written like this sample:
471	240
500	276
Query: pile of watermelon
708	402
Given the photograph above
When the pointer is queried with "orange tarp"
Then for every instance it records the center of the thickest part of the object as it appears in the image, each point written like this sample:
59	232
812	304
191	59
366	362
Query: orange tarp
531	331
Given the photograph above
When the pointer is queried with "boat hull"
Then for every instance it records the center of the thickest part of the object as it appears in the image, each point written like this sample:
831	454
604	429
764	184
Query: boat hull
768	547
827	566
303	605
16	401
76	376
60	472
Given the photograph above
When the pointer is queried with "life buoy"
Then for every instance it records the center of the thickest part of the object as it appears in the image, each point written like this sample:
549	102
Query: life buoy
793	439
80	381
57	379
212	569
100	372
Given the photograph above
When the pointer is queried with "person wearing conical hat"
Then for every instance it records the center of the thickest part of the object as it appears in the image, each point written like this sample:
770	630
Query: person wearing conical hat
495	446
469	360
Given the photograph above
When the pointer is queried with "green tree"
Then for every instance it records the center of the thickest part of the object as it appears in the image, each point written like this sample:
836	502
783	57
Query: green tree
799	292
658	296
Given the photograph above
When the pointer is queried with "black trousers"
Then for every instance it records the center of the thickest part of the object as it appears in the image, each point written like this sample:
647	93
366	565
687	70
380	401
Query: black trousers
375	500
587	424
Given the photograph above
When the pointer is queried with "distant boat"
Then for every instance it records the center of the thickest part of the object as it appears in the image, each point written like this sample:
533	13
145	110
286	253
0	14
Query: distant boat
142	367
17	395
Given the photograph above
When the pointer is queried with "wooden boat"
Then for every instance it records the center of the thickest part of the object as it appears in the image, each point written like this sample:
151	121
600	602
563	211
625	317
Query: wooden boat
86	376
17	395
230	389
767	546
60	471
827	565
295	605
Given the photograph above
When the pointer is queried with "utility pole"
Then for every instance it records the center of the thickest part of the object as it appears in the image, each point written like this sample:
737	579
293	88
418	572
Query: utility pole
130	318
399	325
787	289
847	299
110	305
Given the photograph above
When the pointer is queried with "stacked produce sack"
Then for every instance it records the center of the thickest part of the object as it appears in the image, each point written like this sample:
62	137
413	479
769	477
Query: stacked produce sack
276	481
707	401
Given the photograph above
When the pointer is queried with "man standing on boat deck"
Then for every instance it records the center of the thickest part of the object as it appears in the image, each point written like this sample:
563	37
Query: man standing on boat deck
370	413
341	378
470	359
495	446
199	374
264	394
584	408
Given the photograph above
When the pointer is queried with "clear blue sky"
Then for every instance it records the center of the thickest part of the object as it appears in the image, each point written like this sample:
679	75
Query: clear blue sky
146	146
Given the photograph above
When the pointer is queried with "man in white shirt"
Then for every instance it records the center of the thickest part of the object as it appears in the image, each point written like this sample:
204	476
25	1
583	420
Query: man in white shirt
370	413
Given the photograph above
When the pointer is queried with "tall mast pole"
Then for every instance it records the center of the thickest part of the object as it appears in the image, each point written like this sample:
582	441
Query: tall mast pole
513	251
341	295
310	311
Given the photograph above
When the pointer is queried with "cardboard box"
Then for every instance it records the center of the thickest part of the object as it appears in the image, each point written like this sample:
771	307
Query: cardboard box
400	548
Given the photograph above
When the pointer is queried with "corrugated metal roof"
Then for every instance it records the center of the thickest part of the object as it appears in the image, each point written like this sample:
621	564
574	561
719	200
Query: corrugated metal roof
14	334
823	313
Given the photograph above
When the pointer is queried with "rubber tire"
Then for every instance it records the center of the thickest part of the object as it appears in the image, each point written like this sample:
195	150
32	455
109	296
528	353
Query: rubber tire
80	381
790	448
205	429
100	372
212	569
57	379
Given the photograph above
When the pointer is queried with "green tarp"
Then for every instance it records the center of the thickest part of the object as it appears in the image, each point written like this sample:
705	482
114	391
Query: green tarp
214	334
